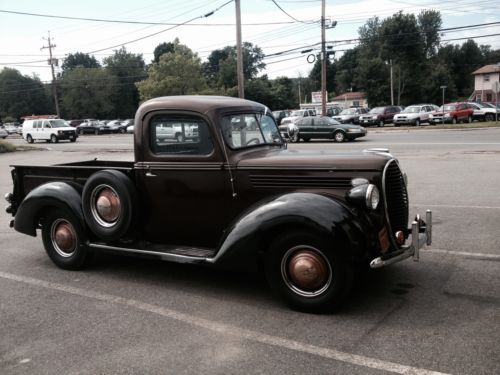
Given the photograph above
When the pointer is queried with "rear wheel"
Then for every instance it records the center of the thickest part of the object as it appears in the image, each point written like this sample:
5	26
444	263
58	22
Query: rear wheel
96	132
307	273
179	137
417	122
489	117
294	138
454	120
306	139
381	123
469	119
64	239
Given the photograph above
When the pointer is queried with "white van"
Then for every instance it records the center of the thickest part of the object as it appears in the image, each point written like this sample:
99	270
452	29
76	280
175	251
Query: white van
49	130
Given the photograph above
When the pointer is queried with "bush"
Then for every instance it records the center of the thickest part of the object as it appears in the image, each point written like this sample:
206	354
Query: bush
6	147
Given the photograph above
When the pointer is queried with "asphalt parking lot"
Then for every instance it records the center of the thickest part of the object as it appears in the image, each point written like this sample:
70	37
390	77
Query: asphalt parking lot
128	315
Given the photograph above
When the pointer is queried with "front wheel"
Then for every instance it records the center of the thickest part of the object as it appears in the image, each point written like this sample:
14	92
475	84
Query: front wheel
381	124
54	139
29	138
489	117
96	132
454	120
64	239
417	122
469	119
294	138
179	137
339	136
307	272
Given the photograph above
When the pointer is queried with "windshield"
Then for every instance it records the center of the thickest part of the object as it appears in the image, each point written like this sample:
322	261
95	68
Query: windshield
377	110
350	111
58	123
250	129
411	109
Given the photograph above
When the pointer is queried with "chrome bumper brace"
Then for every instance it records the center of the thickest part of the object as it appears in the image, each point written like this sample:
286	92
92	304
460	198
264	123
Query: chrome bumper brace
421	234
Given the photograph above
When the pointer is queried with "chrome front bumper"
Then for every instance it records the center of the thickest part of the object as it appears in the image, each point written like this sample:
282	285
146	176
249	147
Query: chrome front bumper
421	234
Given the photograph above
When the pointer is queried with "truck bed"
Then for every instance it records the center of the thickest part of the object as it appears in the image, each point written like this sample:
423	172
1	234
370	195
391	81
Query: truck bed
28	177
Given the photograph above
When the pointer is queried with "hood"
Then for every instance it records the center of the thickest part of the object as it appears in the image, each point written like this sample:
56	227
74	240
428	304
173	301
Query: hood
310	160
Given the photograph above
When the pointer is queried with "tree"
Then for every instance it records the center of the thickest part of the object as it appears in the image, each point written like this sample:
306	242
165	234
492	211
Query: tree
282	94
79	60
22	95
161	49
177	73
429	22
88	93
220	68
129	68
345	71
315	75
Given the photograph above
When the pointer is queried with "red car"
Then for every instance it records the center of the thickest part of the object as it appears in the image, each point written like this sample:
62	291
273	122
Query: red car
452	113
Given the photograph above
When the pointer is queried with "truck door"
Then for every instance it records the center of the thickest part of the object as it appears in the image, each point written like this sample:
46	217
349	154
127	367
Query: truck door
184	190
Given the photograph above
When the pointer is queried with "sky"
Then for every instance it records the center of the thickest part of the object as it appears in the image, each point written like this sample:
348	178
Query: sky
294	26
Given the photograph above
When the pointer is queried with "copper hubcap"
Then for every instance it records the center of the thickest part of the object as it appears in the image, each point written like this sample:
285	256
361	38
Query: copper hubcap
64	237
108	205
308	270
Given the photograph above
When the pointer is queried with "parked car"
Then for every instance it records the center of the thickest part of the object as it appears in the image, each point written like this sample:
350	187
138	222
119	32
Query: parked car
297	114
320	127
379	116
13	129
125	124
350	115
452	113
235	198
75	123
49	130
280	115
3	133
414	114
176	131
482	112
130	128
115	126
93	127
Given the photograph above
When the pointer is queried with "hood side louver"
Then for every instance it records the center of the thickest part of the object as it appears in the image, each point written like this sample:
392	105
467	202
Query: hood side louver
293	182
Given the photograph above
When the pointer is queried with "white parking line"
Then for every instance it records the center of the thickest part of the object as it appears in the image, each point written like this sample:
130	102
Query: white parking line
456	206
463	253
227	329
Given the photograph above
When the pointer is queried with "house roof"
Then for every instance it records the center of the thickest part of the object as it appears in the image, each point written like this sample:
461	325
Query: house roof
350	96
492	68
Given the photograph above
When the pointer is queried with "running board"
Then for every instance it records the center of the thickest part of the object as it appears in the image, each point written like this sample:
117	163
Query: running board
169	253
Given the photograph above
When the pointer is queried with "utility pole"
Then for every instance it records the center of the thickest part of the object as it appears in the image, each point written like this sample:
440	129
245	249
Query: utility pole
392	85
300	99
52	62
323	60
443	88
239	54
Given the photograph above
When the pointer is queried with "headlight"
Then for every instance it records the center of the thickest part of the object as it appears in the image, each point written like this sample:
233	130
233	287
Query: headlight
431	115
447	115
374	117
366	195
59	132
354	130
372	197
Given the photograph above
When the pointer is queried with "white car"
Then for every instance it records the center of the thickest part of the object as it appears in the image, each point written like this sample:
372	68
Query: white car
482	112
298	114
49	130
3	133
414	114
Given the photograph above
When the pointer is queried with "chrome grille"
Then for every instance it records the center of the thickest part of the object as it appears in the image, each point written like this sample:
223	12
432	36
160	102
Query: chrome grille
396	197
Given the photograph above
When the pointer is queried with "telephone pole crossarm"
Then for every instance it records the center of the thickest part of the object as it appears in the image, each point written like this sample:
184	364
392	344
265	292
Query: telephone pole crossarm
52	62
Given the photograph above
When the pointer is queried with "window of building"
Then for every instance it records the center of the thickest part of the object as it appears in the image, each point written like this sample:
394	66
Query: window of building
489	97
486	78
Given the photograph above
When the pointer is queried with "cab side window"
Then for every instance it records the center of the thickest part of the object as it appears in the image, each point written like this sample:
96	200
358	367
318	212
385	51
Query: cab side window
179	135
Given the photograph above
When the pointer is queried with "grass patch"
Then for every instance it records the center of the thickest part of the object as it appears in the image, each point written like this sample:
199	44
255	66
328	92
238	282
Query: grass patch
9	147
6	147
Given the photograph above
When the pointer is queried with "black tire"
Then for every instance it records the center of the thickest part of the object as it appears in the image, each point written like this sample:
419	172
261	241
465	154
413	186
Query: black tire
78	131
179	137
121	187
72	140
72	257
306	139
123	130
294	139
469	119
417	122
29	138
489	117
54	139
454	120
329	293
381	124
96	132
339	136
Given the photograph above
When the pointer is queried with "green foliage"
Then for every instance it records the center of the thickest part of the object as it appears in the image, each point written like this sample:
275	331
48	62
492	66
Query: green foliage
177	73
22	95
315	75
79	60
88	93
161	49
129	68
7	119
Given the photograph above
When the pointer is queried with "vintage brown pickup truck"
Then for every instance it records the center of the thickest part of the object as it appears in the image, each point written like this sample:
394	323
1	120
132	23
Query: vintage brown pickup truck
231	195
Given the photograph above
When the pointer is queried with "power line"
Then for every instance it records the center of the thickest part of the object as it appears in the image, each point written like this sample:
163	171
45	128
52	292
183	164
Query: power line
292	17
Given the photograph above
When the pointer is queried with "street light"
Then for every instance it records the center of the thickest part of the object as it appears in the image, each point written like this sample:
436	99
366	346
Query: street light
443	88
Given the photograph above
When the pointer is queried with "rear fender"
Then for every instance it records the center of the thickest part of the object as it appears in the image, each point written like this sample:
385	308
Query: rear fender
250	235
50	195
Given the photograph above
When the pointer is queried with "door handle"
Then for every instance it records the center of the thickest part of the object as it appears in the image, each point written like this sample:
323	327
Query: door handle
150	174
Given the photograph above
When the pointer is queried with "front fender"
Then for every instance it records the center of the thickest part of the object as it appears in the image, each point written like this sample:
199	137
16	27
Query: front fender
52	194
252	232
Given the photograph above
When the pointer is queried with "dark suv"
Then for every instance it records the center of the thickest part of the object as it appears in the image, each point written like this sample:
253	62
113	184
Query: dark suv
379	116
